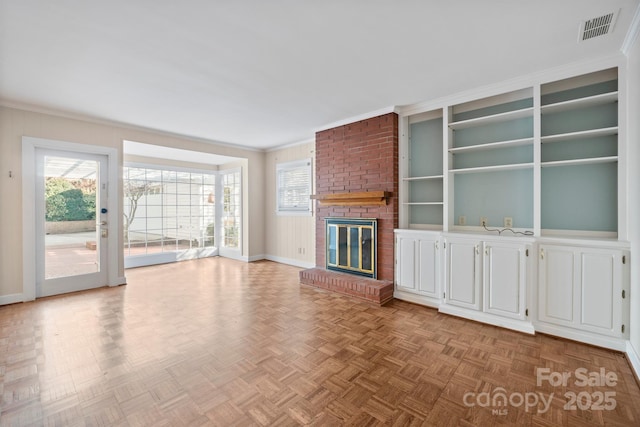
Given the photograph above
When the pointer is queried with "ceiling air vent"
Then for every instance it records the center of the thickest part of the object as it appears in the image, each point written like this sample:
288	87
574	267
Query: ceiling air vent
596	27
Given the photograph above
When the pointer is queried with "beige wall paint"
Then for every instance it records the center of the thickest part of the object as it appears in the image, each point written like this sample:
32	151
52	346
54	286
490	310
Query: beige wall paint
289	239
15	123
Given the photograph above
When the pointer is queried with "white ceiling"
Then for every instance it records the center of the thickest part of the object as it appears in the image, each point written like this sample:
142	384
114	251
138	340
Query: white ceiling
268	73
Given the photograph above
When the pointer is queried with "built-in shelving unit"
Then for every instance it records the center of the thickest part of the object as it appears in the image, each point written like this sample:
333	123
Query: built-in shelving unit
490	149
579	154
544	156
545	168
423	178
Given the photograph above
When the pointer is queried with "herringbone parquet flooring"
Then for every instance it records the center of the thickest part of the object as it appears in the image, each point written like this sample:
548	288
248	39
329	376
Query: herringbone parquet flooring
219	342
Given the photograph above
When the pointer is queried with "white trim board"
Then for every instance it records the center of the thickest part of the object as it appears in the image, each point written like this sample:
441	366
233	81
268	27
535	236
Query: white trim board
289	261
358	118
11	299
634	358
517	83
632	34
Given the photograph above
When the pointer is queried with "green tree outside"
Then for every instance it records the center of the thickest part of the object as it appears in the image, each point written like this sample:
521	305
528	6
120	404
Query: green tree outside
65	202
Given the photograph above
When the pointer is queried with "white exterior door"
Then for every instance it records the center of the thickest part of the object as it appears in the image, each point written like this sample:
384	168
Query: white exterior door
71	221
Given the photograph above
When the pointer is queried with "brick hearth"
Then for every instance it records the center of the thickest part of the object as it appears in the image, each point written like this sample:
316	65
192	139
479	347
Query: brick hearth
371	290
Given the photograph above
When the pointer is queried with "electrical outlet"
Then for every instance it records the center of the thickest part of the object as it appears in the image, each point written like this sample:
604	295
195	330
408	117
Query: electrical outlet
462	220
508	222
484	222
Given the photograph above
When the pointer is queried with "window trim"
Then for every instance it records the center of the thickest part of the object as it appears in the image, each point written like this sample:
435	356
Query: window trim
283	166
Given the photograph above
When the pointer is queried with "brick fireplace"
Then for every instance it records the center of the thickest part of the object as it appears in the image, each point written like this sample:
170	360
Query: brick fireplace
354	158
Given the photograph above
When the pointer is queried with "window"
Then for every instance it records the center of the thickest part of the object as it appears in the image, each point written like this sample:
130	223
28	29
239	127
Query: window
293	185
168	210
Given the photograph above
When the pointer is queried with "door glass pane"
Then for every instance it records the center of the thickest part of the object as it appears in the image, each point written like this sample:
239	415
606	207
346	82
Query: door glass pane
71	239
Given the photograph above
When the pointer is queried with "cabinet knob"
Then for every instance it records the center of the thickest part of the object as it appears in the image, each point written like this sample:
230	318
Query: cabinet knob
477	250
486	250
541	253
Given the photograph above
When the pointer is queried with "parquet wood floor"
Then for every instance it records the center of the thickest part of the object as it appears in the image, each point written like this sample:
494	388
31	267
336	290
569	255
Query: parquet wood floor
224	343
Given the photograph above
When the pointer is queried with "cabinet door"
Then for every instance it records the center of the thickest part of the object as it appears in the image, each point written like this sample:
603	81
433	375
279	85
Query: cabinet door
505	277
406	263
557	285
429	267
463	274
600	291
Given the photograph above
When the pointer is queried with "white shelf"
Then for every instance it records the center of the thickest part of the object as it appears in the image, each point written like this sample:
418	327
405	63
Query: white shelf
581	134
422	203
423	178
492	145
494	118
498	168
589	101
573	162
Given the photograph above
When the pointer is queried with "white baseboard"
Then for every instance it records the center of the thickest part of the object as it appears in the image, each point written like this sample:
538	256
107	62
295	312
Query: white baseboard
134	261
417	299
634	358
235	255
290	261
253	258
612	343
516	325
11	299
119	281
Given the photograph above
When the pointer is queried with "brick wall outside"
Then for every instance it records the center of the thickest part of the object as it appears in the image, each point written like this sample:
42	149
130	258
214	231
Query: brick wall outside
360	156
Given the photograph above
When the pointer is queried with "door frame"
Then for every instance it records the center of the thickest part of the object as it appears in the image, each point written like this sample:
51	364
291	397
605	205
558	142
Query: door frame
29	247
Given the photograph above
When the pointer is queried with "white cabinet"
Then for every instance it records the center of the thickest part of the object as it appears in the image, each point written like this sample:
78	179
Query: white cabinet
505	279
486	280
582	289
463	273
418	264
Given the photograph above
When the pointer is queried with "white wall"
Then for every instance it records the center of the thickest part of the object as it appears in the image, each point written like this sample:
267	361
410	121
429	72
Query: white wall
289	239
15	123
633	118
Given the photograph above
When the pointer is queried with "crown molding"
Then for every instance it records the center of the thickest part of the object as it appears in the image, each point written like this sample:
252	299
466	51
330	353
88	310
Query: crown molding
290	145
540	77
105	122
360	117
632	34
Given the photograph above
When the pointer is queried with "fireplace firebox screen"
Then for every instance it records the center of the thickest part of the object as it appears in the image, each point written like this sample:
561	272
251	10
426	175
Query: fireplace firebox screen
351	245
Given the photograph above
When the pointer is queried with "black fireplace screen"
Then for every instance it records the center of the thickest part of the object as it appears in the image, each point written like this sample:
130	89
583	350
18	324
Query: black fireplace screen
351	245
